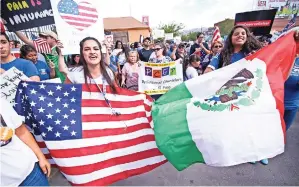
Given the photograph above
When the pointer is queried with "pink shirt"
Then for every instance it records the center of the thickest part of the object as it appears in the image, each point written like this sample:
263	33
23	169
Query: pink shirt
131	73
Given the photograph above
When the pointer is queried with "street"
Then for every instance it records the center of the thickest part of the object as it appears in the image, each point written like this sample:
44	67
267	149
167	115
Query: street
282	170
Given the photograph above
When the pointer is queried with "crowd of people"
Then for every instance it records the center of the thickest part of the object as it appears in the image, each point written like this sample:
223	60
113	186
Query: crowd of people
119	66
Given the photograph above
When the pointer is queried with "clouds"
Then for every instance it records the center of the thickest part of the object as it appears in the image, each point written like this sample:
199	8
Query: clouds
192	13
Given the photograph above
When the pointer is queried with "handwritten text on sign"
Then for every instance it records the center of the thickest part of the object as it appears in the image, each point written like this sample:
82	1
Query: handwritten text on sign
9	83
24	14
159	78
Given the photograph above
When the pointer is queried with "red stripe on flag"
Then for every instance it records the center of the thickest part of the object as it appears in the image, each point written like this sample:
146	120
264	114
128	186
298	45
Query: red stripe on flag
88	15
81	170
114	104
84	151
87	8
120	176
119	91
77	24
78	19
117	131
109	117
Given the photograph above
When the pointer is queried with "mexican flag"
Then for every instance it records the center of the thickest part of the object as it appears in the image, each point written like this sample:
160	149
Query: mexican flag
230	116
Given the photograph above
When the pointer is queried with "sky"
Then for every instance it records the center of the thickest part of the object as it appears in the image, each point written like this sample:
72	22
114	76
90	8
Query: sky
192	13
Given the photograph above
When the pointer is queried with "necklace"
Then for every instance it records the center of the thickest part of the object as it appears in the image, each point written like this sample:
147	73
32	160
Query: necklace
113	111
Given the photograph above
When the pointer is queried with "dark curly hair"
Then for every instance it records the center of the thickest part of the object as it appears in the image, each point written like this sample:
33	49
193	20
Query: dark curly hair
250	45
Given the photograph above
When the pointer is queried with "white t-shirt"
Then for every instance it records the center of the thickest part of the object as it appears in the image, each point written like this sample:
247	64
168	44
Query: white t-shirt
17	159
77	77
191	72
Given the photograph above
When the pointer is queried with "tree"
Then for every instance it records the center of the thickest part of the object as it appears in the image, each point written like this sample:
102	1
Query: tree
191	36
226	26
173	27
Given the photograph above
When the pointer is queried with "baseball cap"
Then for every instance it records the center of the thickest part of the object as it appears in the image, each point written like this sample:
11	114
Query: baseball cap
49	33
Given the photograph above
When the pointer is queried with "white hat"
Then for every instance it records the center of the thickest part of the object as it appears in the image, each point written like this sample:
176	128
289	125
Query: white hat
49	33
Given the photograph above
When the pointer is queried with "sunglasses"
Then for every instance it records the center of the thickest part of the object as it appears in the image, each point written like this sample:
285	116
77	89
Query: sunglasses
217	46
157	49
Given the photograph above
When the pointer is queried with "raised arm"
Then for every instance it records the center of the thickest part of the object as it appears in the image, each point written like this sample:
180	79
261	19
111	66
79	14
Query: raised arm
24	38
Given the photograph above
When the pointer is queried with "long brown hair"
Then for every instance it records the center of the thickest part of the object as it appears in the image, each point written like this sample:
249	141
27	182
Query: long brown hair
250	45
103	66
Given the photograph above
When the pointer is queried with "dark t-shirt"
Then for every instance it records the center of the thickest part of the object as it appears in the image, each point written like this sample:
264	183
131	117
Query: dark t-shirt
202	54
144	54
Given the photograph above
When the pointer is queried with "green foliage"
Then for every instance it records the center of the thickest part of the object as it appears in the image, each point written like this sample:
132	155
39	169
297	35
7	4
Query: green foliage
173	27
190	36
226	26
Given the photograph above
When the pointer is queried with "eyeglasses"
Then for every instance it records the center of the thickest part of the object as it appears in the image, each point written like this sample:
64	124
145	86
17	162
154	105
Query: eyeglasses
217	46
157	49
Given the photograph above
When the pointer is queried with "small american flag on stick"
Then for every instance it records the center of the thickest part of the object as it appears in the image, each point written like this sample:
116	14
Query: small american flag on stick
42	46
216	34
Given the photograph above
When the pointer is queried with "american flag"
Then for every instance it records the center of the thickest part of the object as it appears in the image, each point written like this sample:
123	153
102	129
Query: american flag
42	46
291	24
80	15
90	146
216	34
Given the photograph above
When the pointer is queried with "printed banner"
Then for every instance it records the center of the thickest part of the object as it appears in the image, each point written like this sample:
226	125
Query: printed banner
75	20
159	78
25	14
9	83
259	22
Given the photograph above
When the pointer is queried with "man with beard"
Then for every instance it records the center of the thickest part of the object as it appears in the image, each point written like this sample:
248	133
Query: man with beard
145	53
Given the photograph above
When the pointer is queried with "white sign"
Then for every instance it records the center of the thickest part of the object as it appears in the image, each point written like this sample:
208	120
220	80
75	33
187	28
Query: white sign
158	33
109	39
157	78
75	20
168	36
9	83
285	7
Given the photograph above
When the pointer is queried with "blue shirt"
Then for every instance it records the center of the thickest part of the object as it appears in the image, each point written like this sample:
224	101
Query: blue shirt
43	70
291	89
26	66
235	57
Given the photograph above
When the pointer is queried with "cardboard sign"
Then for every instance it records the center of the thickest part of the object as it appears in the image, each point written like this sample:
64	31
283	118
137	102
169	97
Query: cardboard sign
25	14
9	83
159	78
259	22
75	20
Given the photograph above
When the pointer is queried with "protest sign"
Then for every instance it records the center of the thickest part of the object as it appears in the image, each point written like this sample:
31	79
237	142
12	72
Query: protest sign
9	83
159	78
75	20
109	39
168	36
259	22
25	14
158	33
